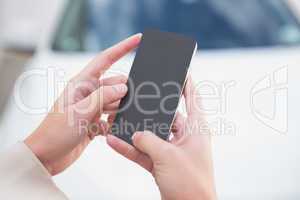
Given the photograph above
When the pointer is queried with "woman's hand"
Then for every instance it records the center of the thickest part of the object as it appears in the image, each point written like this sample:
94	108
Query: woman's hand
183	167
75	117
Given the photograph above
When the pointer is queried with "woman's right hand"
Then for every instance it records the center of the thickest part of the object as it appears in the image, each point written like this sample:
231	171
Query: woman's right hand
182	167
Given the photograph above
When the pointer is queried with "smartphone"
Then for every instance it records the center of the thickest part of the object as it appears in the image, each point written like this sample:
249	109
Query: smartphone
155	85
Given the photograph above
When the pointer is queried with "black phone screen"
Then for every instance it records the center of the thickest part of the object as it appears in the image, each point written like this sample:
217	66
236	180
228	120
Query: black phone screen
155	85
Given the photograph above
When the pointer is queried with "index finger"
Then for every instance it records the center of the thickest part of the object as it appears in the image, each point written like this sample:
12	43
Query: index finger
109	56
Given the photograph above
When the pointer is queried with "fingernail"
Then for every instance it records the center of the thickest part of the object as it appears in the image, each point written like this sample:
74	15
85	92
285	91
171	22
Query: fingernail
124	78
120	88
136	134
139	34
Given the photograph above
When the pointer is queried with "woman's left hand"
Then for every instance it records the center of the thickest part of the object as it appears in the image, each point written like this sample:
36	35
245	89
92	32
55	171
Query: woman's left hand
75	117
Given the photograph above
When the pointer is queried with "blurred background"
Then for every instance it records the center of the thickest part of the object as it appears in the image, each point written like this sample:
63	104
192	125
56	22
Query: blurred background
248	56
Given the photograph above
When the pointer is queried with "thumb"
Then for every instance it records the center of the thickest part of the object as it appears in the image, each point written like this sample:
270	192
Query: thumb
148	143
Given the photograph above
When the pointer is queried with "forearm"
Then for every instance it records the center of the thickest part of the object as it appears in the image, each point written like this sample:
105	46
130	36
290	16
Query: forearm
24	177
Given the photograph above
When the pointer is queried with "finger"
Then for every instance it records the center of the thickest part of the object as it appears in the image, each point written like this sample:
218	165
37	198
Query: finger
148	143
105	59
96	129
82	88
113	93
188	93
129	152
96	118
111	118
113	107
113	80
95	102
109	112
178	126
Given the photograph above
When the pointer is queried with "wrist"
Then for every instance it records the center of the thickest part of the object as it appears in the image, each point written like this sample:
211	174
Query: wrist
207	191
38	150
201	190
196	192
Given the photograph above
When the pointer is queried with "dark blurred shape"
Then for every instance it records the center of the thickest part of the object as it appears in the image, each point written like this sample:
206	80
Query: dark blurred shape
92	25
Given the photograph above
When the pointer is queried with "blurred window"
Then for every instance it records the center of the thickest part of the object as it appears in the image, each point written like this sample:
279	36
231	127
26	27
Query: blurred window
92	25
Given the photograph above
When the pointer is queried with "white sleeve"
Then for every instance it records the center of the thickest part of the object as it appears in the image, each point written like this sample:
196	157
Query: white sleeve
22	176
